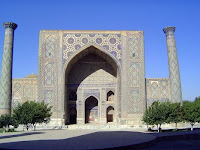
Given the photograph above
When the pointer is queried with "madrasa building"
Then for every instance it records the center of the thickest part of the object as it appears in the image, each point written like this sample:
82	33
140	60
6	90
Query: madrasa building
90	76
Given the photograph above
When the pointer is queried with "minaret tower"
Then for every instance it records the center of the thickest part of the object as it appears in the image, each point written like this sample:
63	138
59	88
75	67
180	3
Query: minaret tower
6	69
174	73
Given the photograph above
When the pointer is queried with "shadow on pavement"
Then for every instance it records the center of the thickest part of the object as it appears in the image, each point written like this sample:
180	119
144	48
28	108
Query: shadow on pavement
97	140
110	140
23	134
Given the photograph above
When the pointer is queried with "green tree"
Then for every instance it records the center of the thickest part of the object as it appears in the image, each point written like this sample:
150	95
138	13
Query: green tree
191	112
6	120
148	116
175	114
157	114
197	100
32	113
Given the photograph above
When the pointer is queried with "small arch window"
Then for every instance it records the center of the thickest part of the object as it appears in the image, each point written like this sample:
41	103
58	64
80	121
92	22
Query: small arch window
110	114
72	96
110	96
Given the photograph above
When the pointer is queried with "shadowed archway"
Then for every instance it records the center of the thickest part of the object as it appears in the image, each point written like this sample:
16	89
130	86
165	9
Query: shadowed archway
91	110
110	114
91	69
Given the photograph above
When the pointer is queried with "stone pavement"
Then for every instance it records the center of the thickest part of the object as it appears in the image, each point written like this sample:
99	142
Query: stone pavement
84	139
72	139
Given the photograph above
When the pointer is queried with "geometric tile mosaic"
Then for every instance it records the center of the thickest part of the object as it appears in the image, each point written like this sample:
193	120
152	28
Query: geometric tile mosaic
108	42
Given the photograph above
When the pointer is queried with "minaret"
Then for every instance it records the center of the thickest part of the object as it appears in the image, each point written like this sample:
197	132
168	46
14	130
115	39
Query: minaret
6	69
174	74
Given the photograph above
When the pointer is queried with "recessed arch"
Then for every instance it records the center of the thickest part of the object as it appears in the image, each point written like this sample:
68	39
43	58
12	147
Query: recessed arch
72	95
100	56
110	114
85	48
92	95
110	96
91	110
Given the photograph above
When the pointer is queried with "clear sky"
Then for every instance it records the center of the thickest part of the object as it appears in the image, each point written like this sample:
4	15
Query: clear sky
151	16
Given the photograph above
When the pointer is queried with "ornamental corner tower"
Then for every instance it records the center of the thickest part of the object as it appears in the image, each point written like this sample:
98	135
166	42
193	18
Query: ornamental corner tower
6	69
174	73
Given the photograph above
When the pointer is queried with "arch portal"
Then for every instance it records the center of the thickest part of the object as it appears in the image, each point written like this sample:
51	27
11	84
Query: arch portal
91	110
89	73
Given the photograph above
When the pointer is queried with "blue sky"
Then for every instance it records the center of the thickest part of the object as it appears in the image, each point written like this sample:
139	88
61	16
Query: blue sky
151	16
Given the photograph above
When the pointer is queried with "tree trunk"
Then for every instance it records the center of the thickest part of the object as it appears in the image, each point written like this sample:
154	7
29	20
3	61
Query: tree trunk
34	127
158	128
4	129
7	128
192	124
176	125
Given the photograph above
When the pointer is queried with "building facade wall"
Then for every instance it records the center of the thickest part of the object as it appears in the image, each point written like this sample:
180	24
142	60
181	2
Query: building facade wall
126	48
133	75
157	89
24	89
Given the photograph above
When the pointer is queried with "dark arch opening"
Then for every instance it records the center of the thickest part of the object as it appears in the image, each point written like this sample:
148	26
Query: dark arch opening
91	110
110	96
110	114
72	96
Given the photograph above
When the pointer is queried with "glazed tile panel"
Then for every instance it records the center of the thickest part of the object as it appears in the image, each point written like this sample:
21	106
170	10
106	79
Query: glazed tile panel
74	42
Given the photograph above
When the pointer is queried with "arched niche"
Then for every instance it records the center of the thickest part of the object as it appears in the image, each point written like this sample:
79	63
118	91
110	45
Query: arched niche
91	110
110	114
72	96
110	96
91	68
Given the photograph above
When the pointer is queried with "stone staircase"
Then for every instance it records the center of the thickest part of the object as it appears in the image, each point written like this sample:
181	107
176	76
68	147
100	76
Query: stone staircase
97	126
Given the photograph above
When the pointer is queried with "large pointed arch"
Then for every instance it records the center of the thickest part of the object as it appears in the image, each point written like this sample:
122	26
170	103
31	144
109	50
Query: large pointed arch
100	49
90	49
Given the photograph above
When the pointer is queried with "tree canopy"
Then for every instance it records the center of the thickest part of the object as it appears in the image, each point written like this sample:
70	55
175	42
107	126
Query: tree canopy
197	100
175	113
191	112
32	113
157	114
6	120
167	112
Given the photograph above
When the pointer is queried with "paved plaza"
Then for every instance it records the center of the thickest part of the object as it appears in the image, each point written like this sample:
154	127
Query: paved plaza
89	139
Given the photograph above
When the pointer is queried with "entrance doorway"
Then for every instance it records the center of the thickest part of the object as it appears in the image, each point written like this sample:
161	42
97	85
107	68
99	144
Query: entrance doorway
91	110
110	114
89	69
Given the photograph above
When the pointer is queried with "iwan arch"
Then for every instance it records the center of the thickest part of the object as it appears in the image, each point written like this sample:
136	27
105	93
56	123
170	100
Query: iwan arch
88	73
98	77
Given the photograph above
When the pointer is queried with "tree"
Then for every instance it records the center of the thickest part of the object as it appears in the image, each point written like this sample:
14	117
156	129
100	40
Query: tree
157	114
191	112
32	113
6	120
197	100
148	116
176	114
